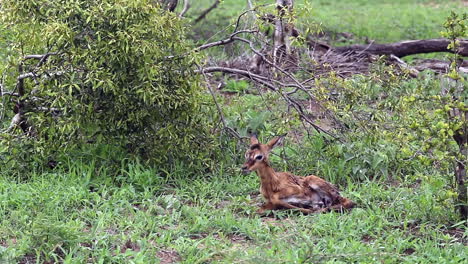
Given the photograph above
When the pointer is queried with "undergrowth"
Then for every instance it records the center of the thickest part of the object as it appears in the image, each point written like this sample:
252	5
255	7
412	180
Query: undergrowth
83	217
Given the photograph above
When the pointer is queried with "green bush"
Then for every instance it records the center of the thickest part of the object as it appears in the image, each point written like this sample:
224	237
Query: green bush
112	79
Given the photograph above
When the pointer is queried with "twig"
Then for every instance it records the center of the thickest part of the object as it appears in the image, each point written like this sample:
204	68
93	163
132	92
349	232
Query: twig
9	93
220	112
267	82
185	8
208	10
224	41
15	122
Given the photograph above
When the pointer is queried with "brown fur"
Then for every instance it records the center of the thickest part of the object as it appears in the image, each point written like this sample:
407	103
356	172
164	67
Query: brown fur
283	190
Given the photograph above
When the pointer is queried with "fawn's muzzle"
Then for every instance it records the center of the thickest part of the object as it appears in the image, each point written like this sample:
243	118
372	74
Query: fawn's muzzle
245	170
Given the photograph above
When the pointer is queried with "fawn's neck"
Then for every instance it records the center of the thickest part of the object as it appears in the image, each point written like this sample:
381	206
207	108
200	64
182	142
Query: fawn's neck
268	177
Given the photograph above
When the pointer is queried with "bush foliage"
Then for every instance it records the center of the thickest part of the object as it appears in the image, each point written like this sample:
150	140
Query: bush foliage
110	79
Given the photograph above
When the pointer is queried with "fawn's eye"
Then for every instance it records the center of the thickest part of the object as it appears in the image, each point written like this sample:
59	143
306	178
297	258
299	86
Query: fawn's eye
259	157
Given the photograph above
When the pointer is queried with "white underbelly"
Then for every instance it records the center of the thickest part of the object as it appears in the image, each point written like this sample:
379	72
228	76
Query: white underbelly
308	202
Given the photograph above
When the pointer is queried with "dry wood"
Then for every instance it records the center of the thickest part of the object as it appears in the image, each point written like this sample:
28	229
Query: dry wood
439	66
185	8
405	48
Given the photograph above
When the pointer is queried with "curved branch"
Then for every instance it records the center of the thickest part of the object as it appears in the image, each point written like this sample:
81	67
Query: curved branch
208	10
224	41
185	8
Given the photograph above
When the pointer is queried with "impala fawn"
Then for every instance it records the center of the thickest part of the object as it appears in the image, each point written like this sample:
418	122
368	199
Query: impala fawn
283	190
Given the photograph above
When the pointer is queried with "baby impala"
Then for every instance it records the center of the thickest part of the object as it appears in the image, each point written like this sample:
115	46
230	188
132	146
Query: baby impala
283	190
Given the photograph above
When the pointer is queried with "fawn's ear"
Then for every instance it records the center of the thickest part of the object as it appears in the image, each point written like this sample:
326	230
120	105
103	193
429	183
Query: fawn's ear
254	139
276	141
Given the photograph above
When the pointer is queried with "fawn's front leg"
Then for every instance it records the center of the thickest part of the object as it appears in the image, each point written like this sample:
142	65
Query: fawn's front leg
267	206
281	204
276	203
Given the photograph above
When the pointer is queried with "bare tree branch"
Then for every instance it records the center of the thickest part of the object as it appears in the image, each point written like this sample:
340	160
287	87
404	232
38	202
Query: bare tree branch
208	10
169	4
268	83
224	41
15	122
39	56
185	8
220	111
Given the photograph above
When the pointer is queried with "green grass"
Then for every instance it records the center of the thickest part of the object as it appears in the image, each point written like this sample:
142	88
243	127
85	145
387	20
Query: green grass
81	217
382	21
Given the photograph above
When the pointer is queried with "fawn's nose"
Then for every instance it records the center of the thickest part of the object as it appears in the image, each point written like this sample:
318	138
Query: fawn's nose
245	170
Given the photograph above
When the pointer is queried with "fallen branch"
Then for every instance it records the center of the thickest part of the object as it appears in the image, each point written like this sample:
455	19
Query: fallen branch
439	66
405	48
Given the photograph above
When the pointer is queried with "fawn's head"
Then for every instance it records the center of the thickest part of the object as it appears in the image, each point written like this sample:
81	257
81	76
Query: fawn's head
257	154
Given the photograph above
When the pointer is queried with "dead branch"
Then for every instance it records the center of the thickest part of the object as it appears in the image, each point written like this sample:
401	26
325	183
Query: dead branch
230	39
269	83
185	8
404	66
439	66
39	56
220	111
208	10
9	93
3	93
15	122
169	5
283	30
405	48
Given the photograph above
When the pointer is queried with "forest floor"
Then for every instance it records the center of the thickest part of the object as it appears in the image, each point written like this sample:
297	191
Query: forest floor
80	214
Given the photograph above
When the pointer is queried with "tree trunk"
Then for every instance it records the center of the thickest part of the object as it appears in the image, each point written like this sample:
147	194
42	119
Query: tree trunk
461	137
283	30
168	4
405	48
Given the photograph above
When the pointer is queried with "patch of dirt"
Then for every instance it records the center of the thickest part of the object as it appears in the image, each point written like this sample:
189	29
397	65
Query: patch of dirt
140	207
86	245
367	239
168	256
458	234
112	231
233	238
222	204
129	245
4	242
238	239
198	236
28	259
276	221
409	251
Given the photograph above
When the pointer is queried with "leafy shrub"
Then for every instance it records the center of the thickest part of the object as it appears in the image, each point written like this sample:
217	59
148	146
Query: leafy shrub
110	79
